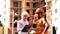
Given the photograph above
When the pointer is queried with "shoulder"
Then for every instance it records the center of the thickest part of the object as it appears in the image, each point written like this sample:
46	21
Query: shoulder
19	21
38	21
27	22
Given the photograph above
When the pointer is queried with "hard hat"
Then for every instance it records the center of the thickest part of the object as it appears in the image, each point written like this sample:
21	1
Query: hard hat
40	10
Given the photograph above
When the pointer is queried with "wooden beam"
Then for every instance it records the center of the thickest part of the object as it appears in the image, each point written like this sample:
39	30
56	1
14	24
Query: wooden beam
23	5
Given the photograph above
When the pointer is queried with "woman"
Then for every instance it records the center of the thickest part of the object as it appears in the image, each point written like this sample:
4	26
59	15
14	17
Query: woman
22	23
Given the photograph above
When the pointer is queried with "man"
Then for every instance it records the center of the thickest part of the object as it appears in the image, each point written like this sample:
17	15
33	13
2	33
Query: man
41	23
22	23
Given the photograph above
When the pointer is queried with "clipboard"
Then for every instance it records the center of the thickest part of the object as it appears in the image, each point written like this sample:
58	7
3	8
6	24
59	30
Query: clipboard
34	25
25	29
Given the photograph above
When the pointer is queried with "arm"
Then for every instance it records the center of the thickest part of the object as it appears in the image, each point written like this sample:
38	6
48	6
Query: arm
45	28
46	24
18	26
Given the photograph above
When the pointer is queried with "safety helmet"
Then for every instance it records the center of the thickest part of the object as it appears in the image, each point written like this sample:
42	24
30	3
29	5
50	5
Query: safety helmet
40	10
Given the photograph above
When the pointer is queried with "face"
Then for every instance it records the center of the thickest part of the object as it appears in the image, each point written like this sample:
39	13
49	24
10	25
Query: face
36	16
25	16
39	15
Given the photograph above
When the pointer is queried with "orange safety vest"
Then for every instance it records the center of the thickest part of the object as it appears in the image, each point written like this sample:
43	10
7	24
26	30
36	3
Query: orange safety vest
40	26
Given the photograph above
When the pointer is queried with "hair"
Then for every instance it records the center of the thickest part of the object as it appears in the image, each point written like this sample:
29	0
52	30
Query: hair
24	13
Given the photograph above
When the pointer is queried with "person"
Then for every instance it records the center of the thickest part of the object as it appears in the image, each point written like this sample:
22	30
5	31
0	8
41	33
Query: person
41	24
22	23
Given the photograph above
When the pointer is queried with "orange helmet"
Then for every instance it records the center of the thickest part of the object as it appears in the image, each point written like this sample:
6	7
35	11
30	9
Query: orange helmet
40	10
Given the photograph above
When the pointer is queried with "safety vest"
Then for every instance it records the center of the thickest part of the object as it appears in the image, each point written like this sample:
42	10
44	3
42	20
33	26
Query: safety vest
40	26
